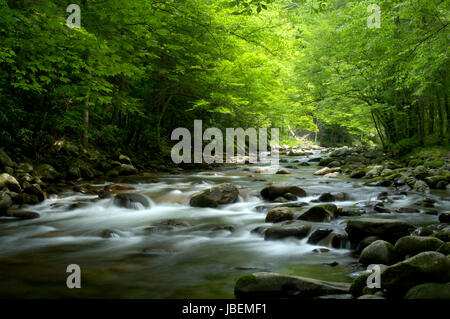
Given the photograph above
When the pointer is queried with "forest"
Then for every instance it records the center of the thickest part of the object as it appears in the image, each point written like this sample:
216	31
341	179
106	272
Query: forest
94	205
136	70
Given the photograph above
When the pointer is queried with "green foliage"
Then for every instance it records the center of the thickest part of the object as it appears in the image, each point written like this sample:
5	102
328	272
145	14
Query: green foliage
136	70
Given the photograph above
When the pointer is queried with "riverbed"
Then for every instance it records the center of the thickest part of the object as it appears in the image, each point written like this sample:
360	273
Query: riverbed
201	255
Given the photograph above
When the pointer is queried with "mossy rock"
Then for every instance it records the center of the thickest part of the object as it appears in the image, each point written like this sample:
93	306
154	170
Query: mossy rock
429	291
358	285
413	245
444	249
443	235
245	281
436	163
415	162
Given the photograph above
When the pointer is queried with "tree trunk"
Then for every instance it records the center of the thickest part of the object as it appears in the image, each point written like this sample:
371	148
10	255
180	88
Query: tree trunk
86	123
421	121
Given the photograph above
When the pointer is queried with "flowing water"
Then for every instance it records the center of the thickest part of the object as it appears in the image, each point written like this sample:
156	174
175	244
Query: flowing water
199	259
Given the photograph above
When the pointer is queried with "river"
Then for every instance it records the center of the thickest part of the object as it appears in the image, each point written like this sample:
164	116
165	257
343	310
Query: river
199	258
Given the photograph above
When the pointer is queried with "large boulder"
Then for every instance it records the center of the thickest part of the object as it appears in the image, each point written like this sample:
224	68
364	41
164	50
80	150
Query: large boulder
343	151
279	214
429	291
280	232
320	213
422	268
378	252
215	196
273	285
131	201
386	229
274	191
9	182
413	245
47	172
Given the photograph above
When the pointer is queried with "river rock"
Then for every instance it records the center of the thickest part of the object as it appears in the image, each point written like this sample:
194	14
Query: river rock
444	217
340	241
386	229
359	173
47	172
443	234
325	161
422	268
421	186
343	151
429	291
334	164
279	214
420	172
374	171
283	171
444	249
9	182
413	245
366	242
323	171
280	232
378	252
34	189
433	181
326	197
332	175
318	235
320	213
273	285
274	191
215	196
131	201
